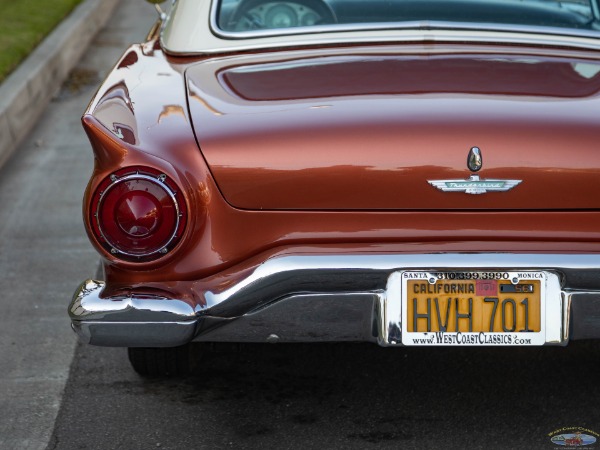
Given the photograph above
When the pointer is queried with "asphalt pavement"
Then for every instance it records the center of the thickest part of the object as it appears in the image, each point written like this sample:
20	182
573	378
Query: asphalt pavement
44	252
343	397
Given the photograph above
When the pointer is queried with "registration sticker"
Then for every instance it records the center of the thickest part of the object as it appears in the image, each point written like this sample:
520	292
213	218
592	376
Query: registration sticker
473	308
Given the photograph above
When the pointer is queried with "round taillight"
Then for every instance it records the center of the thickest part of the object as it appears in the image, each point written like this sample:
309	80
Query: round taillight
137	214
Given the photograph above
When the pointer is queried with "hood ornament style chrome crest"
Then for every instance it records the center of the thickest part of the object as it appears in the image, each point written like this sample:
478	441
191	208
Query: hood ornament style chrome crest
474	184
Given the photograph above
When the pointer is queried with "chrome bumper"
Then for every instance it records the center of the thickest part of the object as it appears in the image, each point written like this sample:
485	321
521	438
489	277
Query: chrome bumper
323	299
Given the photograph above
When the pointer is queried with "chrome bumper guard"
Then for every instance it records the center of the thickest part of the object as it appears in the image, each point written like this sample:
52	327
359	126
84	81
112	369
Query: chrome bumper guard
325	299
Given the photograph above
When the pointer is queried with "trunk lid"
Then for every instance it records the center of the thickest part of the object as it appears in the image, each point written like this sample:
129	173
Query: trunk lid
371	129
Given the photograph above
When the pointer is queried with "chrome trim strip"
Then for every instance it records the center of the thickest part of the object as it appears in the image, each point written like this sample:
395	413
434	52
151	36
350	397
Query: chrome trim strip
554	311
566	304
390	330
408	37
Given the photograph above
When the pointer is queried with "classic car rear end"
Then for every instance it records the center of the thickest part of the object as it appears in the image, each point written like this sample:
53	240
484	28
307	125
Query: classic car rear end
299	172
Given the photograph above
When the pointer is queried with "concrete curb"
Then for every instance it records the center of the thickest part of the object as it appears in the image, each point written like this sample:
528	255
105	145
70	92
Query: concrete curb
27	91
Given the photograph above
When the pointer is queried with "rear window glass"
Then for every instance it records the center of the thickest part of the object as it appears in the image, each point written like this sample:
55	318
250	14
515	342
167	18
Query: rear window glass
248	16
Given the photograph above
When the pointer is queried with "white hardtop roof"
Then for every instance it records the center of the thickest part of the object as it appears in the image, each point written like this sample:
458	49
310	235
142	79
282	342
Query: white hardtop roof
191	29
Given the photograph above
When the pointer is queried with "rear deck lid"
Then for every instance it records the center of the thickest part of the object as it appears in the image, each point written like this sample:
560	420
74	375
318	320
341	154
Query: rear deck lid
385	130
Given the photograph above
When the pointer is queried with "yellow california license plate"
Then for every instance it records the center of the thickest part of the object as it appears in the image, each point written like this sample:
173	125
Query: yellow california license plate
473	308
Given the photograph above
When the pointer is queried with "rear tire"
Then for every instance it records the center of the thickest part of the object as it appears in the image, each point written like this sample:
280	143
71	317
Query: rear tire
160	362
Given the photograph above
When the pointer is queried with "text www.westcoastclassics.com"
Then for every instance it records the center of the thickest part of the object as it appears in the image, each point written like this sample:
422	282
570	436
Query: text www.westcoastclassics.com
474	338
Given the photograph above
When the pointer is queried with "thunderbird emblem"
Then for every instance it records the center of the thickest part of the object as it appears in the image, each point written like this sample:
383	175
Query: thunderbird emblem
474	185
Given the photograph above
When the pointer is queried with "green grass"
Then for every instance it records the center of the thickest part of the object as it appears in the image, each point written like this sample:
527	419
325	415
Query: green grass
23	25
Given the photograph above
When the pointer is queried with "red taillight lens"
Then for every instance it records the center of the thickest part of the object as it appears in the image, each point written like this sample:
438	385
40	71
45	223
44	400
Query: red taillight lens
137	215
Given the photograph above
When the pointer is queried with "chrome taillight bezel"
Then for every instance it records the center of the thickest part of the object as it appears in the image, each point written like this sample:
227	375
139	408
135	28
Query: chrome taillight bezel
132	174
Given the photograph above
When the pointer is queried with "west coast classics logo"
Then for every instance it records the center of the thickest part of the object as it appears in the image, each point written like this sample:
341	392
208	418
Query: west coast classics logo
574	437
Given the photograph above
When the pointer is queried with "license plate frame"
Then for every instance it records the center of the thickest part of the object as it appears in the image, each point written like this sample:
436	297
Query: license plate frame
475	338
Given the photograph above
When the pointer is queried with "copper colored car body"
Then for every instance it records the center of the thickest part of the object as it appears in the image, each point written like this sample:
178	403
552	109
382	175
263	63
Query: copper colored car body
300	176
